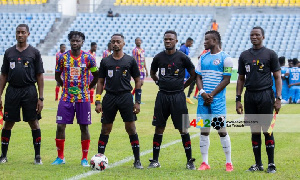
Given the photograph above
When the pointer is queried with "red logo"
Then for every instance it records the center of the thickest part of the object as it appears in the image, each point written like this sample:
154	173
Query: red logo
5	139
254	143
38	140
269	142
101	143
187	144
19	59
135	143
156	144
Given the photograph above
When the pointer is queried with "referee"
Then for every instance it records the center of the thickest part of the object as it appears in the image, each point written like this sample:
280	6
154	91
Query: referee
170	99
116	71
255	67
22	68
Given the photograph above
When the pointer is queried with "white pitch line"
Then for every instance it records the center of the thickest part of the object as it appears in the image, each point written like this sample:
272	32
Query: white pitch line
123	161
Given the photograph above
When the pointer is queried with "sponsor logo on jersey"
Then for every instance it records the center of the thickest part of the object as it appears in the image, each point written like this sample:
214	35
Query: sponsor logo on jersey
12	65
110	73
162	71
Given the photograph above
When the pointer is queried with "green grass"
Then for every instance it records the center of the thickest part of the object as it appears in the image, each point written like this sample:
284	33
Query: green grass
172	159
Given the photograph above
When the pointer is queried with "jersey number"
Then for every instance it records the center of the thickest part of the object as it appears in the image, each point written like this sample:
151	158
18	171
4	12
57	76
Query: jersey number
295	76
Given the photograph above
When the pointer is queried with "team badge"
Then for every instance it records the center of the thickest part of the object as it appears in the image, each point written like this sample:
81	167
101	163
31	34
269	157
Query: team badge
83	65
216	61
163	71
12	65
176	72
26	64
247	68
110	73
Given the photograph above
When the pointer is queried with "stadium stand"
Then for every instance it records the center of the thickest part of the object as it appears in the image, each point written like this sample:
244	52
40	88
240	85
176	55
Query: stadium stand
39	24
222	3
282	33
22	2
150	27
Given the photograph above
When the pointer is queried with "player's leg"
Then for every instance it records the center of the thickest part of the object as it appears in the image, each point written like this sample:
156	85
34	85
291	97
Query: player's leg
191	88
37	139
270	147
65	115
92	94
5	137
196	93
56	91
297	95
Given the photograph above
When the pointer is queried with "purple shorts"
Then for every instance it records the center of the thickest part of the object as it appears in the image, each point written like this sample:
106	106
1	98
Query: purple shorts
66	112
142	76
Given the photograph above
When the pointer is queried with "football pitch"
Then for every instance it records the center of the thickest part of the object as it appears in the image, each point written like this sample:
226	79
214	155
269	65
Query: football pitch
172	157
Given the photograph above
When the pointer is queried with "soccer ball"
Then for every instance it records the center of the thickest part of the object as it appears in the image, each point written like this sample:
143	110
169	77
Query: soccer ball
99	162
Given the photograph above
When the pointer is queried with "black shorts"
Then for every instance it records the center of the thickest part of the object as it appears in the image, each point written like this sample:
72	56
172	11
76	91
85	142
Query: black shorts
112	103
259	105
15	98
167	104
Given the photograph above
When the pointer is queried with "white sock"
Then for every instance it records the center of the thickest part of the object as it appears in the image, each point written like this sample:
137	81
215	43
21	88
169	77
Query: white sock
226	144
204	146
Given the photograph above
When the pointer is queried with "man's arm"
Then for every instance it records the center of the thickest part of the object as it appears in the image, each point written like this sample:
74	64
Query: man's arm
221	86
138	94
99	91
95	80
145	66
58	78
239	90
191	78
40	83
295	84
3	80
206	97
278	85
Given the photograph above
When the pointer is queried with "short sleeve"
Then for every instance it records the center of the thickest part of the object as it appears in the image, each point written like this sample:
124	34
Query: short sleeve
241	66
182	49
198	68
59	64
134	69
228	65
38	63
5	65
274	63
188	64
102	69
154	64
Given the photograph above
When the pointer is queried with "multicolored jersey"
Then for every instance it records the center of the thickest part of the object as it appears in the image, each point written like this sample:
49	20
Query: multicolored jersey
212	68
139	55
57	55
92	54
76	75
294	76
106	53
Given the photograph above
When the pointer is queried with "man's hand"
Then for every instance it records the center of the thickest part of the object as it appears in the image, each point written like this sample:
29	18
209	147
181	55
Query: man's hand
147	73
239	107
39	106
277	105
98	108
207	99
136	108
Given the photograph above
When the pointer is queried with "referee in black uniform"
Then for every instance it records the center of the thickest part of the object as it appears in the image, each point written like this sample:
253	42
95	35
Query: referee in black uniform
22	67
255	68
170	99
116	71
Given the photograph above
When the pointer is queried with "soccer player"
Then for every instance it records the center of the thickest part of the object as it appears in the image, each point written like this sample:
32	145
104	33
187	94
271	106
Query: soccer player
170	99
139	55
107	52
92	52
285	87
254	67
213	75
116	70
60	52
293	75
76	65
22	67
185	48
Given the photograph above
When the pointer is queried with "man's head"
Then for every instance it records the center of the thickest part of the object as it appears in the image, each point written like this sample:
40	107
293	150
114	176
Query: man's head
295	62
212	39
117	42
22	33
214	21
189	42
290	63
257	35
170	39
93	47
281	61
138	41
62	48
76	39
109	46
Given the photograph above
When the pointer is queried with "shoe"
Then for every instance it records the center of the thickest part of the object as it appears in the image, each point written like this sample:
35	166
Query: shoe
3	160
38	160
229	167
204	166
256	167
153	164
188	100
190	164
59	161
85	163
138	165
271	168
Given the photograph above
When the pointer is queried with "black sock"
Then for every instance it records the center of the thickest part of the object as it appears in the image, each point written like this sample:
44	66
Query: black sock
191	88
256	145
36	138
186	141
103	139
135	144
5	136
270	146
157	139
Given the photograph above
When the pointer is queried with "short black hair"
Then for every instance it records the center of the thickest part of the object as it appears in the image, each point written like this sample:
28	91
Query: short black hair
281	60
295	61
93	43
76	33
190	39
109	43
24	25
261	29
290	60
61	45
216	34
137	38
171	32
182	44
118	34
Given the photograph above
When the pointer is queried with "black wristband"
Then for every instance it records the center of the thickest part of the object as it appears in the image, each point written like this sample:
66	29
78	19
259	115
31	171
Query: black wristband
238	98
138	95
97	102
